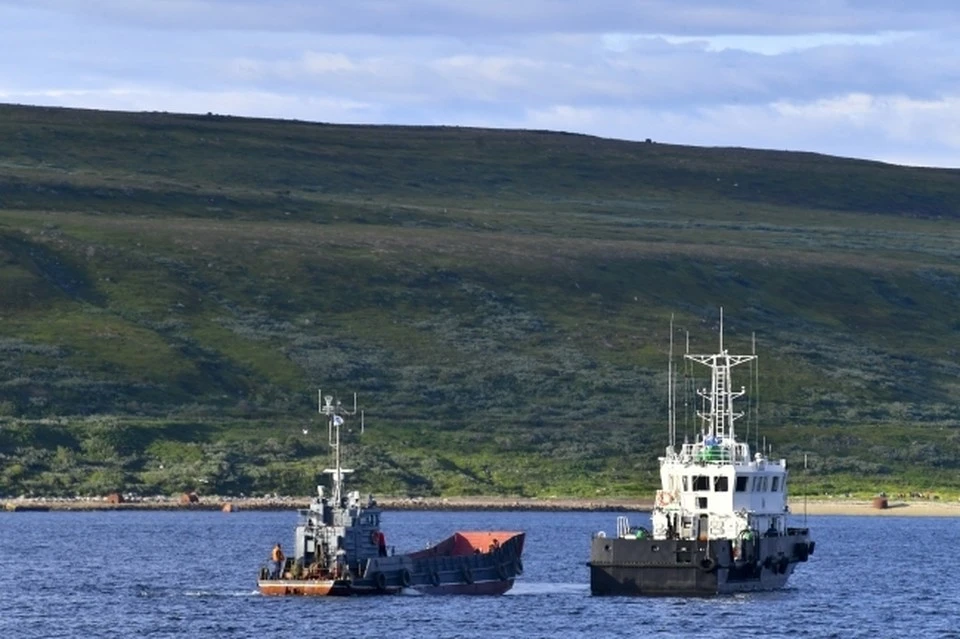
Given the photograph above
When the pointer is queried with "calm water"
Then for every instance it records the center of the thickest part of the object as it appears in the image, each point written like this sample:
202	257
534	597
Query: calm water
157	574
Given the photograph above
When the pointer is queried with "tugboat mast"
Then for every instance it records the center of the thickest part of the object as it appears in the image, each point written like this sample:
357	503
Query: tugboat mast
671	396
718	420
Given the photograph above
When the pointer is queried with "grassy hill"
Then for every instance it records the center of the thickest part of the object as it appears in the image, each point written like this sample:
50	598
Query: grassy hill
175	288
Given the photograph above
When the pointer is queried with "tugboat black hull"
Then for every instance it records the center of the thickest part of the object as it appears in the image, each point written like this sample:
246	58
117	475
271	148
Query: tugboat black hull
666	567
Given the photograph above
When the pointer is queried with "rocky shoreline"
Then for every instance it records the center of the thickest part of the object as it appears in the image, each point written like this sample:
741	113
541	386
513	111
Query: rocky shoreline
231	504
293	503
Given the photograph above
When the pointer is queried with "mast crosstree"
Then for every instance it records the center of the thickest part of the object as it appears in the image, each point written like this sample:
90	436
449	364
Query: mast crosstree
719	417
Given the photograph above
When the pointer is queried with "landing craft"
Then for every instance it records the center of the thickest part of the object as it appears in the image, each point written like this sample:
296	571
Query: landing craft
340	549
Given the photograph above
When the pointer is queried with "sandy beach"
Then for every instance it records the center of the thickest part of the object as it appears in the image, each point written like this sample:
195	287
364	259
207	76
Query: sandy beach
895	508
840	506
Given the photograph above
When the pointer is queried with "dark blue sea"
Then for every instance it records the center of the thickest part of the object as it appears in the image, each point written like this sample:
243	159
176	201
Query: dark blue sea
192	574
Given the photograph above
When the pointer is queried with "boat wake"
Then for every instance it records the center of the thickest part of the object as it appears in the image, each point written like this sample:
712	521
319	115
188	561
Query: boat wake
525	588
160	592
213	593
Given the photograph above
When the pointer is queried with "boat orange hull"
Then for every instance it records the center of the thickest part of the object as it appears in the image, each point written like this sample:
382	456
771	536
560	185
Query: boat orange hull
327	588
308	588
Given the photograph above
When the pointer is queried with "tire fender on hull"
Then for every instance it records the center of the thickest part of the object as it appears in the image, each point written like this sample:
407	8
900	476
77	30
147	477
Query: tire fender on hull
782	565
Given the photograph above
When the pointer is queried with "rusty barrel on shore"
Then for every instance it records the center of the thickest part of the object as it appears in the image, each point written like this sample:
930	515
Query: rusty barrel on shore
880	503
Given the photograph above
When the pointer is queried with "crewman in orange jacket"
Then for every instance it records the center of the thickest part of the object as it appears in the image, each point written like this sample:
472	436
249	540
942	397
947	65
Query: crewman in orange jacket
276	559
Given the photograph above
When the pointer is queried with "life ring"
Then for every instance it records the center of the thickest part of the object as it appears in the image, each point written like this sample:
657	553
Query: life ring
664	498
467	574
381	581
707	564
501	571
435	577
405	578
518	567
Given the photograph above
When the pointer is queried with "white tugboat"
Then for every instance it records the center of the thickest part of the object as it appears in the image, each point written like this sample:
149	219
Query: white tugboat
719	520
339	548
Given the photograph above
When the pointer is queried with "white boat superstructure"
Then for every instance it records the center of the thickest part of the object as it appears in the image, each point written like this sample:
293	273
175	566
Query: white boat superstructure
714	488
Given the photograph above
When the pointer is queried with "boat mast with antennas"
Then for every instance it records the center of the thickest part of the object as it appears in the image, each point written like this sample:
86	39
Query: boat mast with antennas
719	522
334	412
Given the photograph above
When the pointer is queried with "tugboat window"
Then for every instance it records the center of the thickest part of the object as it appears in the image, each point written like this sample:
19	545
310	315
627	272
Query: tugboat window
742	484
776	484
686	485
701	482
702	502
720	484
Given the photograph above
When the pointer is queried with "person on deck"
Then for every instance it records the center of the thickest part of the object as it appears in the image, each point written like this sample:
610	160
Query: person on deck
494	546
381	544
276	561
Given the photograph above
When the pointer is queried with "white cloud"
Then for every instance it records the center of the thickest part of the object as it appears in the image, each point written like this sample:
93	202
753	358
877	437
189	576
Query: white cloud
778	44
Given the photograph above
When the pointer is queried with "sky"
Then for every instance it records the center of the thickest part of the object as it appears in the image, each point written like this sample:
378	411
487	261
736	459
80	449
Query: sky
872	79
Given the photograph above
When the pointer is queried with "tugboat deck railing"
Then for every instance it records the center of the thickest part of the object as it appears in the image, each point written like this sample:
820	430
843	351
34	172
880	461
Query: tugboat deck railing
719	453
735	454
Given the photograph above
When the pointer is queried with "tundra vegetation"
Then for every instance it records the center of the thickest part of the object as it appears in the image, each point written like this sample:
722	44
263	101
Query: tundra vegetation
176	287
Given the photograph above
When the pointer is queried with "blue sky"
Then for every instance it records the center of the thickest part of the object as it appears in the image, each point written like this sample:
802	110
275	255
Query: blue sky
872	79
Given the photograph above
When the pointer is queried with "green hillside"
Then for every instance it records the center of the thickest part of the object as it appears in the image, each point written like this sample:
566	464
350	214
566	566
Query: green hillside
173	290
